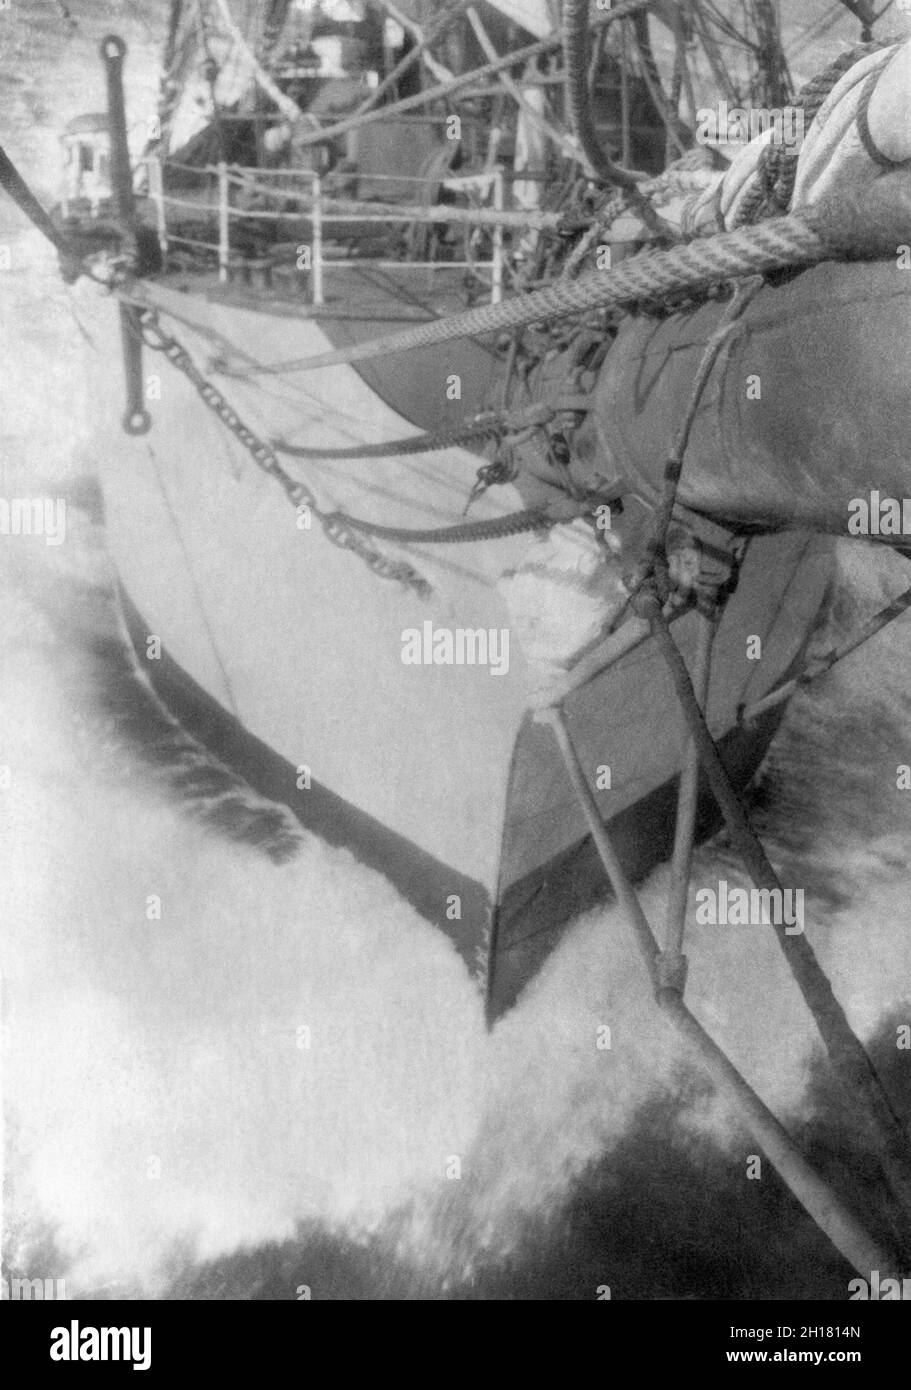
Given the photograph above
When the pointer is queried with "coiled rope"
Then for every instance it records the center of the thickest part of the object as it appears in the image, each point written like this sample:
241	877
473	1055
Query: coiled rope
773	189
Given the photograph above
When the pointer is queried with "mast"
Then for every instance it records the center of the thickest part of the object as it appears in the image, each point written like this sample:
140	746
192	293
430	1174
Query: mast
774	78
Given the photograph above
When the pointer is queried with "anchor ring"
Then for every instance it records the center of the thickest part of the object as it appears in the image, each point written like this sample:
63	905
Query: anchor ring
137	422
112	48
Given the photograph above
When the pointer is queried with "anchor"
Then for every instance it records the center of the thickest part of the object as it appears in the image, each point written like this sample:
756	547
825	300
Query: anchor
136	419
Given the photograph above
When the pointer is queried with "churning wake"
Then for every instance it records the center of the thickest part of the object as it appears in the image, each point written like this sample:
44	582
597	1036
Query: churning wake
221	1033
237	1063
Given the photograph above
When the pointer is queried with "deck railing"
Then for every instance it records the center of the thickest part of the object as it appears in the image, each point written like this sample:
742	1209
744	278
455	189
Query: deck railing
221	210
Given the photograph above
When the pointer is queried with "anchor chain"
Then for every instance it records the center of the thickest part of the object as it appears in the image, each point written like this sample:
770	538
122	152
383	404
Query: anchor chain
339	527
336	527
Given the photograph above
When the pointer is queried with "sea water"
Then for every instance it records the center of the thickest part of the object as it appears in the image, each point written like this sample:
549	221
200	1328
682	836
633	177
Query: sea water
237	1063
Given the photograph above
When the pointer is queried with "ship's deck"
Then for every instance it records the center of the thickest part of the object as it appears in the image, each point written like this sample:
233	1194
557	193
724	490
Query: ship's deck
355	290
363	301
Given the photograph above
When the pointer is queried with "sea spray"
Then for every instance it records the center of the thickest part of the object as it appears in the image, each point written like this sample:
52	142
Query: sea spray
285	1052
283	1047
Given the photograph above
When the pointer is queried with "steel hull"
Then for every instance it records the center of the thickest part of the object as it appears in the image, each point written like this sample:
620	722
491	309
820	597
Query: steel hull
435	774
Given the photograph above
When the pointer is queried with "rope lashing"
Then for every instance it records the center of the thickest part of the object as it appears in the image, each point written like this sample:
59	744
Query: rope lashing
773	189
669	184
654	566
657	277
845	1049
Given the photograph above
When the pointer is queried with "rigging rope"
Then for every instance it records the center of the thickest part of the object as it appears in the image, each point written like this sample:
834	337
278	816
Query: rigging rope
845	1049
678	133
437	31
650	589
817	666
489	424
814	1193
654	567
381	212
576	59
654	277
425	443
463	81
289	109
557	137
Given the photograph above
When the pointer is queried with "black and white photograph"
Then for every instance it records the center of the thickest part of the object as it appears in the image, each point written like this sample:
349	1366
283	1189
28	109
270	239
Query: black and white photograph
455	661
